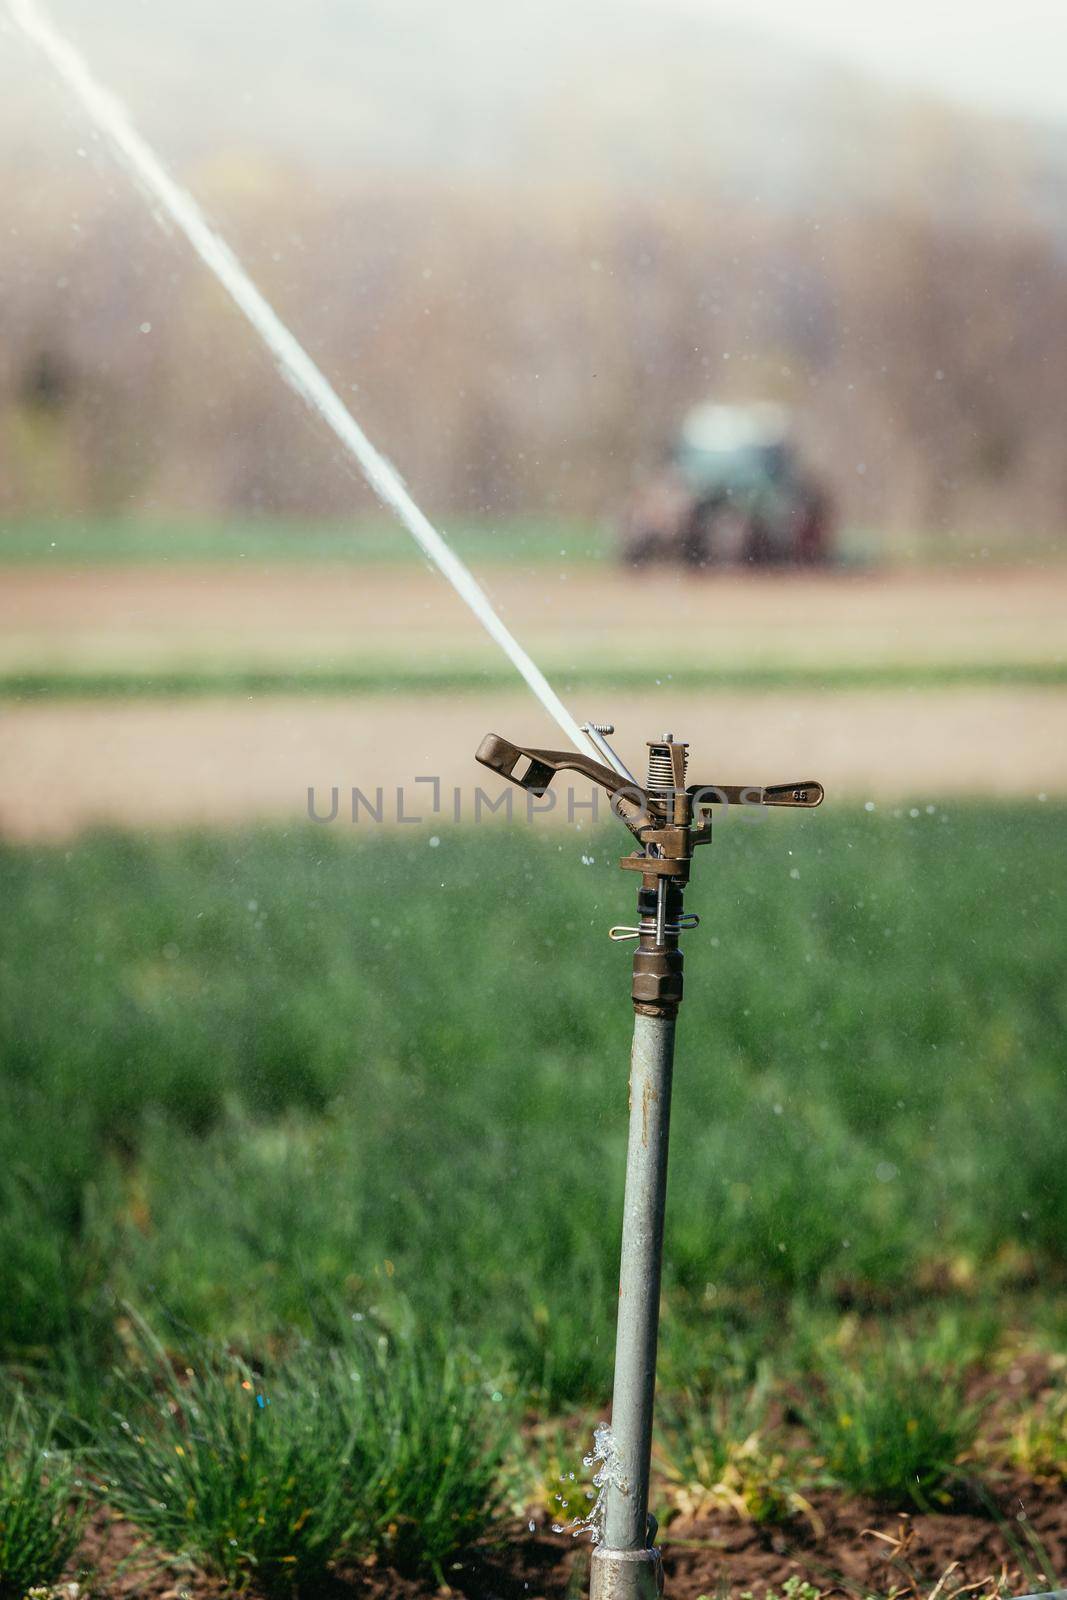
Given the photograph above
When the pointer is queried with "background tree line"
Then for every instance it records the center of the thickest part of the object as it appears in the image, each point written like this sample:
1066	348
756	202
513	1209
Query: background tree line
527	347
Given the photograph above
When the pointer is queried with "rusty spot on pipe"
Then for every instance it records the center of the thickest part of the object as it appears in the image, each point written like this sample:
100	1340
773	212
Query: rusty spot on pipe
647	1096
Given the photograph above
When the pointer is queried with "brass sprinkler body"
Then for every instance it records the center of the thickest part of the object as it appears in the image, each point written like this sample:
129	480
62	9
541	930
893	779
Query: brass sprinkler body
669	820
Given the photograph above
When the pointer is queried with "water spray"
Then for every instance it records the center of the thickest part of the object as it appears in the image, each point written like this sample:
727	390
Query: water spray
668	819
171	201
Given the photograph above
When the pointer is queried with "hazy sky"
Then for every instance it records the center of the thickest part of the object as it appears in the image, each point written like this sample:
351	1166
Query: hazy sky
1007	56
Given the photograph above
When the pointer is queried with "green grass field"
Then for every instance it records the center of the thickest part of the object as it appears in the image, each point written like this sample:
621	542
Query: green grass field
423	678
376	538
261	1080
288	1106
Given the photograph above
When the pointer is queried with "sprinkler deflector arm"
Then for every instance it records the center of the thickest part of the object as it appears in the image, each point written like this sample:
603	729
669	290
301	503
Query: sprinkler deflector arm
543	765
668	820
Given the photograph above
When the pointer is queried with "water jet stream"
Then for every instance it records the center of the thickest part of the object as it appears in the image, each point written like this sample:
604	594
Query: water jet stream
293	361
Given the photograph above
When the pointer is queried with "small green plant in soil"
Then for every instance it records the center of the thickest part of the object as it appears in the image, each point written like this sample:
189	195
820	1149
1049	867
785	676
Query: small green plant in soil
40	1517
794	1588
717	1450
438	1435
1039	1439
892	1424
272	1475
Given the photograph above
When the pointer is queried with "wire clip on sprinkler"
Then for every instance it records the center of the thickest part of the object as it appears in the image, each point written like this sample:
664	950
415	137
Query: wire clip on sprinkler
669	820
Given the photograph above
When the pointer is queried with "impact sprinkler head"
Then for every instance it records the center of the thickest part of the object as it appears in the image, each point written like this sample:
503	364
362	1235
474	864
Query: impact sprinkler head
668	819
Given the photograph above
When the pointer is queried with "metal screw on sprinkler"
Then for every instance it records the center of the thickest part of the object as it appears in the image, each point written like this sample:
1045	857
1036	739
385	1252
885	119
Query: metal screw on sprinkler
668	820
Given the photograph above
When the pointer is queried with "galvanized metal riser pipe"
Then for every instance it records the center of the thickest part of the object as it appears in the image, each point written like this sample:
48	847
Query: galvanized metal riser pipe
626	1504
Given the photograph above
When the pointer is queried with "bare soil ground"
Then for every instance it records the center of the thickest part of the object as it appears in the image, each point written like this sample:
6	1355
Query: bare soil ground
71	765
848	1547
206	616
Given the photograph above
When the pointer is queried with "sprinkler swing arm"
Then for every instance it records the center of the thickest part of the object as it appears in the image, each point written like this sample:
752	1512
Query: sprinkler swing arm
669	820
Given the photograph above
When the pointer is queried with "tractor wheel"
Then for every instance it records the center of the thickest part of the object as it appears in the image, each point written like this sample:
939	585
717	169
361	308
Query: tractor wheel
716	535
642	548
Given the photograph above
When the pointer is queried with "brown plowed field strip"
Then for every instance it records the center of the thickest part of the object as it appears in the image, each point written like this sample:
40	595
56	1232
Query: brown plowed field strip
68	764
195	616
74	764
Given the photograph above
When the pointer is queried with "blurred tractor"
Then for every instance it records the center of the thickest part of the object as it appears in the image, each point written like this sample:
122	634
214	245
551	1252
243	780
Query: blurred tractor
731	492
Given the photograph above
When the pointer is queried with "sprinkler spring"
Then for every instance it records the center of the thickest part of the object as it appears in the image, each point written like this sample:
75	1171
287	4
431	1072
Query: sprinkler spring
660	782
